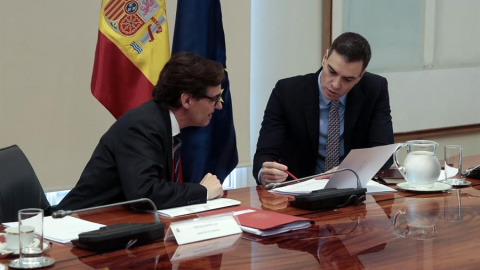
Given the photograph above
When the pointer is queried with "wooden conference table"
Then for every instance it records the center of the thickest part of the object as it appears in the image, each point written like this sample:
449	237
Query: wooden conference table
355	237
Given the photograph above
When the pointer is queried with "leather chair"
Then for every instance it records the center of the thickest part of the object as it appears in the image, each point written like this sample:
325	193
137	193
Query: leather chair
19	185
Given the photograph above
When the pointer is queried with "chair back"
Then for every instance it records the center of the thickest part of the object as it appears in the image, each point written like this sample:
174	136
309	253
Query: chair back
19	185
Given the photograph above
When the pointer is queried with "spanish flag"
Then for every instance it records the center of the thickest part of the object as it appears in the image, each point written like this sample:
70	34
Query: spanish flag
132	48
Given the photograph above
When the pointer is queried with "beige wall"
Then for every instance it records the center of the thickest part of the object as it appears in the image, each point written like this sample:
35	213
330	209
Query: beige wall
46	58
469	142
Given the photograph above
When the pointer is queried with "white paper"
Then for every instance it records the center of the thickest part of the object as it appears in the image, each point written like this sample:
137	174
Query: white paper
197	208
203	228
64	230
377	188
308	186
304	187
365	162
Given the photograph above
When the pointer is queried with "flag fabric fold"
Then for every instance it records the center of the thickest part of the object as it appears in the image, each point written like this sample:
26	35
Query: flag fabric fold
132	48
199	29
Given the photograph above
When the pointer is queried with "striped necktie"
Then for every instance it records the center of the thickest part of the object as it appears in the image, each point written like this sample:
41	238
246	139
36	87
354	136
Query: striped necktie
177	161
333	136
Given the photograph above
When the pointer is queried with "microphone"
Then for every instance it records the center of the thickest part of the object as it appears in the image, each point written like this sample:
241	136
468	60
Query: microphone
327	198
117	236
64	213
274	185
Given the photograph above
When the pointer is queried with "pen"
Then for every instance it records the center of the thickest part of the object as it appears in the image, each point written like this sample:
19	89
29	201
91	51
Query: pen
289	174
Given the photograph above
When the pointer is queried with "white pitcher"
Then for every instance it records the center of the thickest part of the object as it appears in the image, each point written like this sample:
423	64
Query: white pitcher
421	167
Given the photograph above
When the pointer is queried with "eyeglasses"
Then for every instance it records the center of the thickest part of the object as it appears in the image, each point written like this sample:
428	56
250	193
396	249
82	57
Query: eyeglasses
214	99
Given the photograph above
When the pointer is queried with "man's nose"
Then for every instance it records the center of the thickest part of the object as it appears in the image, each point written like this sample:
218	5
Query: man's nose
336	82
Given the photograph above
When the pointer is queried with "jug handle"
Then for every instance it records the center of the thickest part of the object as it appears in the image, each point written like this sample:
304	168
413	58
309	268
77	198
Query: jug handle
400	168
395	224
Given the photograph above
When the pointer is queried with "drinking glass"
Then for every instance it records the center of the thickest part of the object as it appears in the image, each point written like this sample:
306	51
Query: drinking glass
31	248
453	165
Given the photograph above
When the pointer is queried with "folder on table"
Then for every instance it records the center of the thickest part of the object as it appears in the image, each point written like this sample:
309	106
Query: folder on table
263	222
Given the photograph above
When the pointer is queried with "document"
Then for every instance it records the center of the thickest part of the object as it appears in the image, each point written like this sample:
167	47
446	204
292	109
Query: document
263	222
196	208
308	186
64	230
365	162
374	187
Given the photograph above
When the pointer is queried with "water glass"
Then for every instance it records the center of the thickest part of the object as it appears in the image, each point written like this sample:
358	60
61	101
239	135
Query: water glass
31	248
453	164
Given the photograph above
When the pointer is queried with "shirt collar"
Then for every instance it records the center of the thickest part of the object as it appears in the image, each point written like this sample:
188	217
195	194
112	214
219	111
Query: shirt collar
175	126
325	101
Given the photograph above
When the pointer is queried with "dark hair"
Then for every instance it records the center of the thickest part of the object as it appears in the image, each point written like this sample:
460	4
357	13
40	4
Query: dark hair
186	73
352	47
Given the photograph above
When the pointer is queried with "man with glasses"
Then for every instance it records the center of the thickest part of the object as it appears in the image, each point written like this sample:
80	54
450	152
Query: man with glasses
312	122
138	157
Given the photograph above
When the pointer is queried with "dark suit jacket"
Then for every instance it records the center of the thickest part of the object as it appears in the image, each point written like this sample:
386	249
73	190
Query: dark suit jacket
133	160
290	128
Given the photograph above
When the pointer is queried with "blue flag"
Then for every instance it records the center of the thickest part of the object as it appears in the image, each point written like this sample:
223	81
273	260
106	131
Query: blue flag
199	29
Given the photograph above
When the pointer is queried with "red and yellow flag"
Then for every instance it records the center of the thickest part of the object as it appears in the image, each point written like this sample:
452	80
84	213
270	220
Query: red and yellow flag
132	48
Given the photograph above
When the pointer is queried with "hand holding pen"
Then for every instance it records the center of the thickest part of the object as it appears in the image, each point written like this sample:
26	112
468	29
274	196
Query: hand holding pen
274	172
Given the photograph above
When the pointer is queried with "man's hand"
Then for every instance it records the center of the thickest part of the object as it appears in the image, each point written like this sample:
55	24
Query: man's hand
273	172
213	185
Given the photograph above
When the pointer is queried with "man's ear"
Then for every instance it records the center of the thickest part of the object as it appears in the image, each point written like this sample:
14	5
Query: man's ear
361	74
325	56
324	59
185	99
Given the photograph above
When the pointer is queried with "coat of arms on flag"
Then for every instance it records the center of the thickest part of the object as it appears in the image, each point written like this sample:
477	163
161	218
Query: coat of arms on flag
128	17
132	48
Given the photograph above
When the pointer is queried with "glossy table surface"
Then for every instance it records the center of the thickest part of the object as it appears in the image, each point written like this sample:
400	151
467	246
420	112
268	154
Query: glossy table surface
389	231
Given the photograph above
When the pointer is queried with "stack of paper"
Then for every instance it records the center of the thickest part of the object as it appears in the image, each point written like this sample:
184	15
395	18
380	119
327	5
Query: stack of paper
64	230
308	186
364	162
196	208
263	222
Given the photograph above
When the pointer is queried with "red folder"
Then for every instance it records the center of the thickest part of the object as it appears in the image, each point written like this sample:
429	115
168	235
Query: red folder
267	221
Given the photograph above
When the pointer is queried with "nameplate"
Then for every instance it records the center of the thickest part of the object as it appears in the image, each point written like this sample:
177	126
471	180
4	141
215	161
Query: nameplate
203	228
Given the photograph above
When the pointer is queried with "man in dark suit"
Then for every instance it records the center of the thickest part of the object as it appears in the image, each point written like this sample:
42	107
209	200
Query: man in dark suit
134	158
294	130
